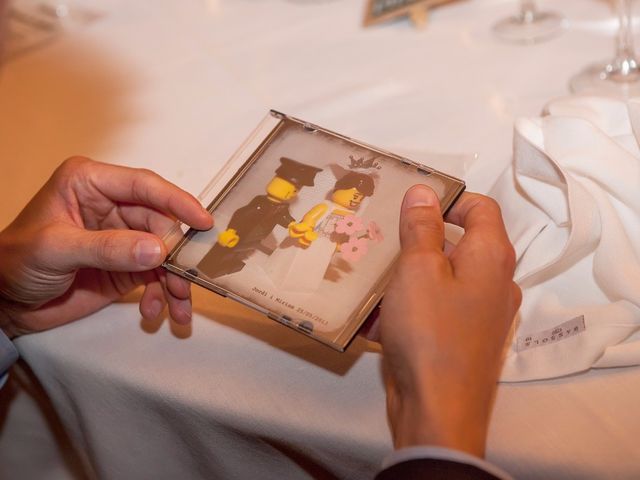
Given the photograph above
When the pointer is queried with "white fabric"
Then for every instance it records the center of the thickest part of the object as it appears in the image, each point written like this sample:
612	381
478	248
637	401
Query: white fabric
33	444
572	207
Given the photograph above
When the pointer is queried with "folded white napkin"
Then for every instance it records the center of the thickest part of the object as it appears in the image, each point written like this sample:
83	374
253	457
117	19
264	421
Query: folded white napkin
571	203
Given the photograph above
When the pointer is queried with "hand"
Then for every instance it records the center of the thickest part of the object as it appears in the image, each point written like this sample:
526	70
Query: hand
444	321
308	238
297	230
89	236
229	238
303	232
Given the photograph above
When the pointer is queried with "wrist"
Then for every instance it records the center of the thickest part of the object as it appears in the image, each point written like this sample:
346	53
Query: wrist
7	310
6	322
437	419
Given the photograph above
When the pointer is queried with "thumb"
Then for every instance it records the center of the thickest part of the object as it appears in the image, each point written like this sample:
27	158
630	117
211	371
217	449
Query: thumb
111	250
421	223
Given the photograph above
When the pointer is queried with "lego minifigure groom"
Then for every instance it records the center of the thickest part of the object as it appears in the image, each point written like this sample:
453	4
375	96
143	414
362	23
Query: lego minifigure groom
252	223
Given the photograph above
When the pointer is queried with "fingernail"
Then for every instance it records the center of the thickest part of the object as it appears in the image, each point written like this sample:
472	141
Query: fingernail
148	253
420	196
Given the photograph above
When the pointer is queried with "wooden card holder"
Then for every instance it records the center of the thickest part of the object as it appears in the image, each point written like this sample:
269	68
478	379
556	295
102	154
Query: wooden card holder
378	11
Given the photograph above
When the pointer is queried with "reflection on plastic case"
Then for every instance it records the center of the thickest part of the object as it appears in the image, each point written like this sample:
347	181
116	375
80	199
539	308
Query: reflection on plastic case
306	227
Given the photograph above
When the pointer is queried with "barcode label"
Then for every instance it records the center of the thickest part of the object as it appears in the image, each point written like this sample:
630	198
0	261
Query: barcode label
553	335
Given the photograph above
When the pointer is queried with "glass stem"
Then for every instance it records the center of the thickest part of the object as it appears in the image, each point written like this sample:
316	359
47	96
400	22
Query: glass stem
527	11
624	62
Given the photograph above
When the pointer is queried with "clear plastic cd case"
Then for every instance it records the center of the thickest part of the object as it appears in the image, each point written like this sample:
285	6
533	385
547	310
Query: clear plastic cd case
306	227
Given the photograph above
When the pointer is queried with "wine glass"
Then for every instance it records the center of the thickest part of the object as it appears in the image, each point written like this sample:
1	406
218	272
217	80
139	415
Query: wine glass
31	24
530	25
67	13
619	77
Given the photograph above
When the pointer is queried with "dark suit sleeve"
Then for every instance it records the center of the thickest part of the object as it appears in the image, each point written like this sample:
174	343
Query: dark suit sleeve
433	469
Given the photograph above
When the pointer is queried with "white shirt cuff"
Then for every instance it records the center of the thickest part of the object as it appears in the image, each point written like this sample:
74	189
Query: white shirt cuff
441	453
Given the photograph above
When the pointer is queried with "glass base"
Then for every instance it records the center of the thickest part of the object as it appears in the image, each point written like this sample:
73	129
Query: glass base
604	79
66	12
523	29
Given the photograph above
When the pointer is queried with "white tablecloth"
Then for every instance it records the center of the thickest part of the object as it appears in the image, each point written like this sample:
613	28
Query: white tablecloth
176	86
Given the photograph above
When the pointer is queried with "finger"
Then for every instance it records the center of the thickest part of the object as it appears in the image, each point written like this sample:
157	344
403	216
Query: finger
178	293
449	247
371	327
517	296
513	304
71	248
140	186
153	300
178	287
421	224
146	219
478	215
485	247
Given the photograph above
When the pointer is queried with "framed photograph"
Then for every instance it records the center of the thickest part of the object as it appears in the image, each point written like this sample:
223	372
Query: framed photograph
306	227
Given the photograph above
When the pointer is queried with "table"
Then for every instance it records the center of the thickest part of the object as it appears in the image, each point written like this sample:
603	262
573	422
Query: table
175	86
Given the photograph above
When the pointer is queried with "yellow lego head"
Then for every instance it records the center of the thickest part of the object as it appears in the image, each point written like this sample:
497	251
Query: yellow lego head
280	189
351	189
350	198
